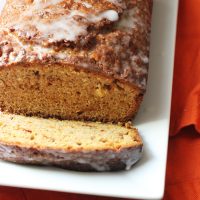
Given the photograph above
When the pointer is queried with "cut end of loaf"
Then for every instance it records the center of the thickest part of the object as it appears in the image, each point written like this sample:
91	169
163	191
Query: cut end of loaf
66	93
84	146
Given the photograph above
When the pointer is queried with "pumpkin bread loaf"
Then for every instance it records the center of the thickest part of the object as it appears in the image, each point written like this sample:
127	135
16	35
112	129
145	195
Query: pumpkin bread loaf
80	60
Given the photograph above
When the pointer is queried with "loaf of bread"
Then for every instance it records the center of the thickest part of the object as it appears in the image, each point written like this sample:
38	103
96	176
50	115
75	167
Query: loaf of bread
74	59
83	146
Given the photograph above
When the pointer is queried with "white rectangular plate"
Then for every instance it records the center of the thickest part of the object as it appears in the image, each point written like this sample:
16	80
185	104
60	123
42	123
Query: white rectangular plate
146	179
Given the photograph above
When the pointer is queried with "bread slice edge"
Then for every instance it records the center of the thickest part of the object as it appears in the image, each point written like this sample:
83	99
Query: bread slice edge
105	159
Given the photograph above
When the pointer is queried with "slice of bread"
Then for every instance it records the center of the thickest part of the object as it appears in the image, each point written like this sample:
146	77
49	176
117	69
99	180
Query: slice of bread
82	146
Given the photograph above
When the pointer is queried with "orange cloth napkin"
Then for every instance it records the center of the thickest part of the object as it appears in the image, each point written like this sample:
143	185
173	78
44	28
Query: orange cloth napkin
183	167
186	85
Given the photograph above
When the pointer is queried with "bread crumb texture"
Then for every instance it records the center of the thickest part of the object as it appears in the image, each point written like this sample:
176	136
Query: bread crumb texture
32	132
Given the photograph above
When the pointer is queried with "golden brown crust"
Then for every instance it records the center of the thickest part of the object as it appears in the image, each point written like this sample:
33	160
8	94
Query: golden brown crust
108	46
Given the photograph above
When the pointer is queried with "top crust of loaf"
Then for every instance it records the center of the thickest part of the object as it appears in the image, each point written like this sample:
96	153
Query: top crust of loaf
109	36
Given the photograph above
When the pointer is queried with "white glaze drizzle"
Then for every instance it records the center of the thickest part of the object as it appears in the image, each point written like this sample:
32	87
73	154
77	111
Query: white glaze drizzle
65	27
143	57
86	4
58	29
2	5
49	157
128	20
38	4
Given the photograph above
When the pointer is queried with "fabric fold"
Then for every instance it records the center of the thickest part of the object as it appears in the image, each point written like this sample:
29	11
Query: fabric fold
186	94
186	84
